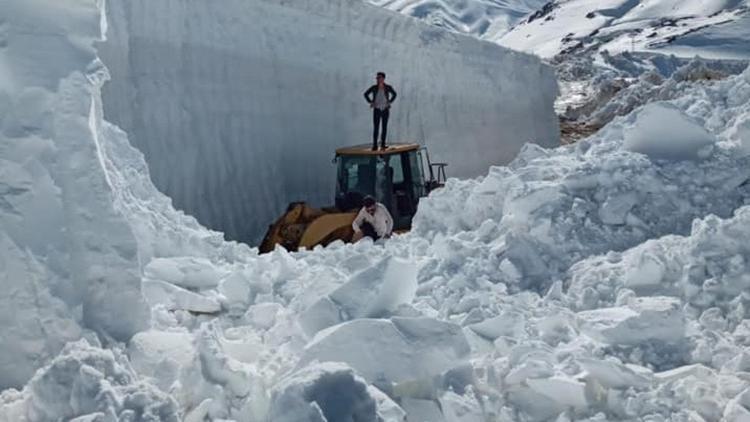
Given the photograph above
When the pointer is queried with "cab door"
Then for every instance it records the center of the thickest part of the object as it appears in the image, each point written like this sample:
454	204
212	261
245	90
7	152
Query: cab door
405	181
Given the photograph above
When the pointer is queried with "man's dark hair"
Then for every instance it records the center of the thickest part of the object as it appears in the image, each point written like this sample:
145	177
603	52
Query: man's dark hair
369	201
381	74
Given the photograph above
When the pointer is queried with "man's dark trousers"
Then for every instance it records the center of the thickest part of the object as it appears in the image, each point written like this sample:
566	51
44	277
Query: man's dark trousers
377	117
369	231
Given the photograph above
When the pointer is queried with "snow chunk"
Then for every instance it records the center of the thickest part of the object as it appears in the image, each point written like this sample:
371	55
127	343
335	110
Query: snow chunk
397	350
662	131
161	355
614	375
738	409
740	133
263	315
647	272
697	370
615	209
188	272
237	292
530	368
510	324
372	293
650	318
159	292
740	363
330	391
564	391
204	145
221	368
242	343
84	381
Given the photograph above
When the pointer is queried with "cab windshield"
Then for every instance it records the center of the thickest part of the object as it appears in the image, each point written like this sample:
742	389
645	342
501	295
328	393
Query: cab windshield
357	174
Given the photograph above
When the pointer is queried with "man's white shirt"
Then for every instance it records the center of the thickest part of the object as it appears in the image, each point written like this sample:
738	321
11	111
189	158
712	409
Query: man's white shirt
382	221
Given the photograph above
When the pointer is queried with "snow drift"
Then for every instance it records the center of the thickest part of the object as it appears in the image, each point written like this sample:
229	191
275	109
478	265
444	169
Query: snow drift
238	108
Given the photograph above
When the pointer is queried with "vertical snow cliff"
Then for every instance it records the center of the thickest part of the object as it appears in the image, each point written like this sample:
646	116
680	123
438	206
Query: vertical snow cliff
239	106
68	258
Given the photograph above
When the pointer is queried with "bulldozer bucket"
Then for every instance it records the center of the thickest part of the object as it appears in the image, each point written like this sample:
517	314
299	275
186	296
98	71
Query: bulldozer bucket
305	226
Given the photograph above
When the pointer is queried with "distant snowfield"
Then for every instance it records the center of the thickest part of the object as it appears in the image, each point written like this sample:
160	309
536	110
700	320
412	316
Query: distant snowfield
711	29
239	108
486	19
716	29
606	280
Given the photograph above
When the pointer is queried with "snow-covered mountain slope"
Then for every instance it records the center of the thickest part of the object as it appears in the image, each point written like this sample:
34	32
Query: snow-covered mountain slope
486	19
238	108
711	29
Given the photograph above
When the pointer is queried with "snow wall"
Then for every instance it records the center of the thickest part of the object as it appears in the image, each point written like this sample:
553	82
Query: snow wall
69	260
238	108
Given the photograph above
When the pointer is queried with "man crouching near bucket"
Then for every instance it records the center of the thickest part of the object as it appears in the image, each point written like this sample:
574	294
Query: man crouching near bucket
373	221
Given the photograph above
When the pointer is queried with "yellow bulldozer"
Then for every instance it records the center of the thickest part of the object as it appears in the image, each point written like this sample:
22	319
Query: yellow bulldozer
394	176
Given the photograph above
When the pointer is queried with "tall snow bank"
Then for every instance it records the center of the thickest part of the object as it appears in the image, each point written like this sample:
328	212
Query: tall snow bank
72	257
238	107
87	383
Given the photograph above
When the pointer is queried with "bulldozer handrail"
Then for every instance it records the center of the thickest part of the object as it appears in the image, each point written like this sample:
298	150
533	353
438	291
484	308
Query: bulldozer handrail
433	182
421	162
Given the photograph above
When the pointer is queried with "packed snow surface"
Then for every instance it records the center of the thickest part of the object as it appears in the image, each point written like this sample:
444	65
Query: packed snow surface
238	108
589	282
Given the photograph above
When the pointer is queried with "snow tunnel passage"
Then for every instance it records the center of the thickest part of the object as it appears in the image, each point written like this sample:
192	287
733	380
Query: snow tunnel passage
239	108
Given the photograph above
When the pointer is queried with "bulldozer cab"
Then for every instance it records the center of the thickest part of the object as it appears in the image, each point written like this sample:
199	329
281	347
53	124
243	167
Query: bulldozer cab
394	177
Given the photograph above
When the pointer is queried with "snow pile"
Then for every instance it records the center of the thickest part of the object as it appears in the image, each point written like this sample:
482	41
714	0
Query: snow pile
86	383
599	345
618	93
234	130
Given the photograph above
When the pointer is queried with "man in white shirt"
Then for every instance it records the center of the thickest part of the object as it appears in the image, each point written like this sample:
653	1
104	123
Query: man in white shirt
373	221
